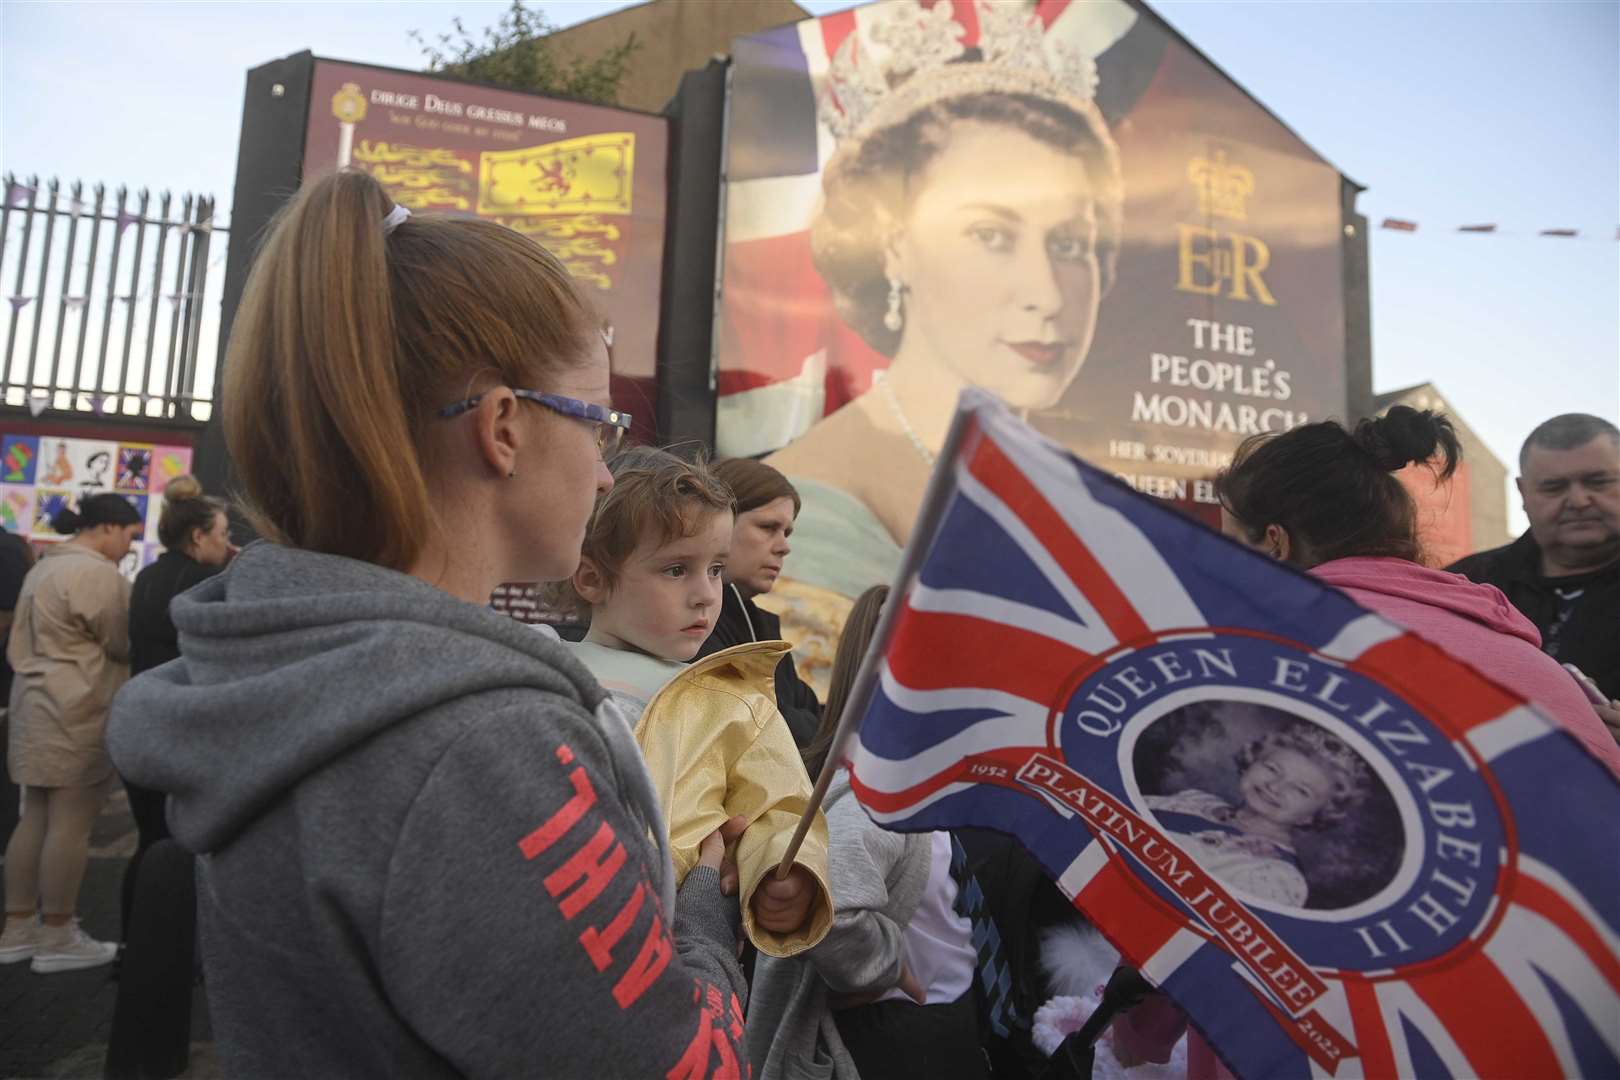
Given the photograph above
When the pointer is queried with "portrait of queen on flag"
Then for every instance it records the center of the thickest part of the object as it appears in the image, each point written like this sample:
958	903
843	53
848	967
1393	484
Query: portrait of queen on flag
1339	850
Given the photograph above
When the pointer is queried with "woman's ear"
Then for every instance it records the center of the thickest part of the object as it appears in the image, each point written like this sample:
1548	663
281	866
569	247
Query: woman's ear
498	434
589	583
894	247
1277	543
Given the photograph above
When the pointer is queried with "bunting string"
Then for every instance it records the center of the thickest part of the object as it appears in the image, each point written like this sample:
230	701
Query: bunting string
1493	229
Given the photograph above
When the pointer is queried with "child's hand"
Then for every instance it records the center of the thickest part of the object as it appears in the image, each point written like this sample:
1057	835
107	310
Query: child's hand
913	989
712	852
782	906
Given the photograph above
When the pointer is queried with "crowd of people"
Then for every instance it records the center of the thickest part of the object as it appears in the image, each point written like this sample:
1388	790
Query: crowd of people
427	839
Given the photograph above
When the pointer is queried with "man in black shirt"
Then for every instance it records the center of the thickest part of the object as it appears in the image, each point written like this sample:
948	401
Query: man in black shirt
767	505
1564	574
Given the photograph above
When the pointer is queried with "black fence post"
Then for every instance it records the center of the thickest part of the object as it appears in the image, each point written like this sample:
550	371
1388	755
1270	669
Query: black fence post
269	168
691	253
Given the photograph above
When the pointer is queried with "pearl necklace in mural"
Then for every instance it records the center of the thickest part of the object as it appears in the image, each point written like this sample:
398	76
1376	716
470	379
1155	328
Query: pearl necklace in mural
880	379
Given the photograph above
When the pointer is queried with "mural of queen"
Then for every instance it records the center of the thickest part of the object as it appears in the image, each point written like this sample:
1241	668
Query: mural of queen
968	227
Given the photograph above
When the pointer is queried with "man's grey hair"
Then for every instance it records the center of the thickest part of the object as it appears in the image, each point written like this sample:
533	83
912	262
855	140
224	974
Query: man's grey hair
1566	433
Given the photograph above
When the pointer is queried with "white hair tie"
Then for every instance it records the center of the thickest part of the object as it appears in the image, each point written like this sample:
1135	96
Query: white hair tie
395	218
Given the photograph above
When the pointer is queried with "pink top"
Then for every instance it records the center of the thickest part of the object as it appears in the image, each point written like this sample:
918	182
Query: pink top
1476	624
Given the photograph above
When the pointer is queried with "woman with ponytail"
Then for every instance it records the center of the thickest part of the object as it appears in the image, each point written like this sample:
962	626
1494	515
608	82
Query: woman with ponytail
69	648
424	836
1327	500
196	539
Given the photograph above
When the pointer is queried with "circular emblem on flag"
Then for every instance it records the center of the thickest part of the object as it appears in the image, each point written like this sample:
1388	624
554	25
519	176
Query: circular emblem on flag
1267	788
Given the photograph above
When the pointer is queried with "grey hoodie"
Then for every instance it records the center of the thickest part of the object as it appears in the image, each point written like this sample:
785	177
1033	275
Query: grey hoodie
878	878
417	857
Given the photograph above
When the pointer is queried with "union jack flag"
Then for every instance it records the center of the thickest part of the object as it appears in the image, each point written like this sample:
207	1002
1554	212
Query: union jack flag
1058	634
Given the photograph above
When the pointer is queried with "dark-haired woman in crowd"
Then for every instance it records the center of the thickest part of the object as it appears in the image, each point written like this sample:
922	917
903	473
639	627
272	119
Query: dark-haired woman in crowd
1326	500
195	535
766	508
69	648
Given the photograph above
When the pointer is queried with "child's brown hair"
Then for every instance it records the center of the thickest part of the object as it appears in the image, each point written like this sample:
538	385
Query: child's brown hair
655	494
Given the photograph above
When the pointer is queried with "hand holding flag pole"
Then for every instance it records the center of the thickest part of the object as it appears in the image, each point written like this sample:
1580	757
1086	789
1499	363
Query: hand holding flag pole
935	498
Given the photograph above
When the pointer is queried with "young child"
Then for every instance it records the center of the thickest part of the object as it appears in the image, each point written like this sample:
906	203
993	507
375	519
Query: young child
715	743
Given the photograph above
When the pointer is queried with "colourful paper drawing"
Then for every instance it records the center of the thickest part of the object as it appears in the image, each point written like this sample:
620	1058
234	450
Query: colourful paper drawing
16	508
55	462
168	462
134	467
48	502
95	463
18	457
139	502
154	513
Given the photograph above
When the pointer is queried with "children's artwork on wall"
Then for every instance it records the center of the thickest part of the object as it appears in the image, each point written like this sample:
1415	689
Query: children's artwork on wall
168	462
139	502
16	508
42	475
55	463
87	464
134	467
48	502
19	454
97	464
154	511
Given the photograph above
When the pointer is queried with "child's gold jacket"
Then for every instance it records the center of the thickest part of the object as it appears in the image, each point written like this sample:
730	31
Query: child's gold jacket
717	747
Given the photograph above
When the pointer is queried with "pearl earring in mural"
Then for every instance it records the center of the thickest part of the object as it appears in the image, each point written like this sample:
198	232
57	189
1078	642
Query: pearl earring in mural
893	320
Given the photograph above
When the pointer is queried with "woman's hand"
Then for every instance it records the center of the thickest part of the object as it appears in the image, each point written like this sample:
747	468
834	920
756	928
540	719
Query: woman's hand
908	985
1609	713
781	906
913	989
718	852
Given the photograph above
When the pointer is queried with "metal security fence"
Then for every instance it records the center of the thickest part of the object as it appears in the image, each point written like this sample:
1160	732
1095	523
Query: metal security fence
110	309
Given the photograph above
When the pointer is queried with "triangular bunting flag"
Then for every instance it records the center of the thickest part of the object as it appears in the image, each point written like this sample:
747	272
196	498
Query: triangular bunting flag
126	218
37	402
17	193
19	302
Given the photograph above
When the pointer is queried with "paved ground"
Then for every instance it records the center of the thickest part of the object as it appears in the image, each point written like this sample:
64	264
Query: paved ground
57	1025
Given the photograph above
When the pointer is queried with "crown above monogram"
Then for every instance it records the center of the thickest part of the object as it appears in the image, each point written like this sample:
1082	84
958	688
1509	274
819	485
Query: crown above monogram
912	56
1223	188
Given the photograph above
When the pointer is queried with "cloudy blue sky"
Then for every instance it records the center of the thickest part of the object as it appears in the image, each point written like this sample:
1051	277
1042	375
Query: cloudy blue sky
1450	113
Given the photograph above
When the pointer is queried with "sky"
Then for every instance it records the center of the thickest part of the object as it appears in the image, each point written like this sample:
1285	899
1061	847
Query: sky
1450	113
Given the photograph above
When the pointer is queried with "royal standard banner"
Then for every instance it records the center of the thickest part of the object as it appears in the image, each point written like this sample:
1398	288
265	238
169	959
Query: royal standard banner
1339	849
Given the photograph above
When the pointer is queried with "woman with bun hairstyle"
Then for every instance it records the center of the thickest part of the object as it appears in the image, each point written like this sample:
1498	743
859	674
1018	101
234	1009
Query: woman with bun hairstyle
424	834
1326	500
69	648
196	539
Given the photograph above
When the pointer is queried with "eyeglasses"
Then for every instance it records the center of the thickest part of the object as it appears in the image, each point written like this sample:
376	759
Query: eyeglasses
609	424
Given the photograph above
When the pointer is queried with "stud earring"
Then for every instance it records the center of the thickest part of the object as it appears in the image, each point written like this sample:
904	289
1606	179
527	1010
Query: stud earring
512	474
893	320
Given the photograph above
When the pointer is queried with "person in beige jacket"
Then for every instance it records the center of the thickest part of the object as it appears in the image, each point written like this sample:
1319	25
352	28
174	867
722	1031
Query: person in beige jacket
70	649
